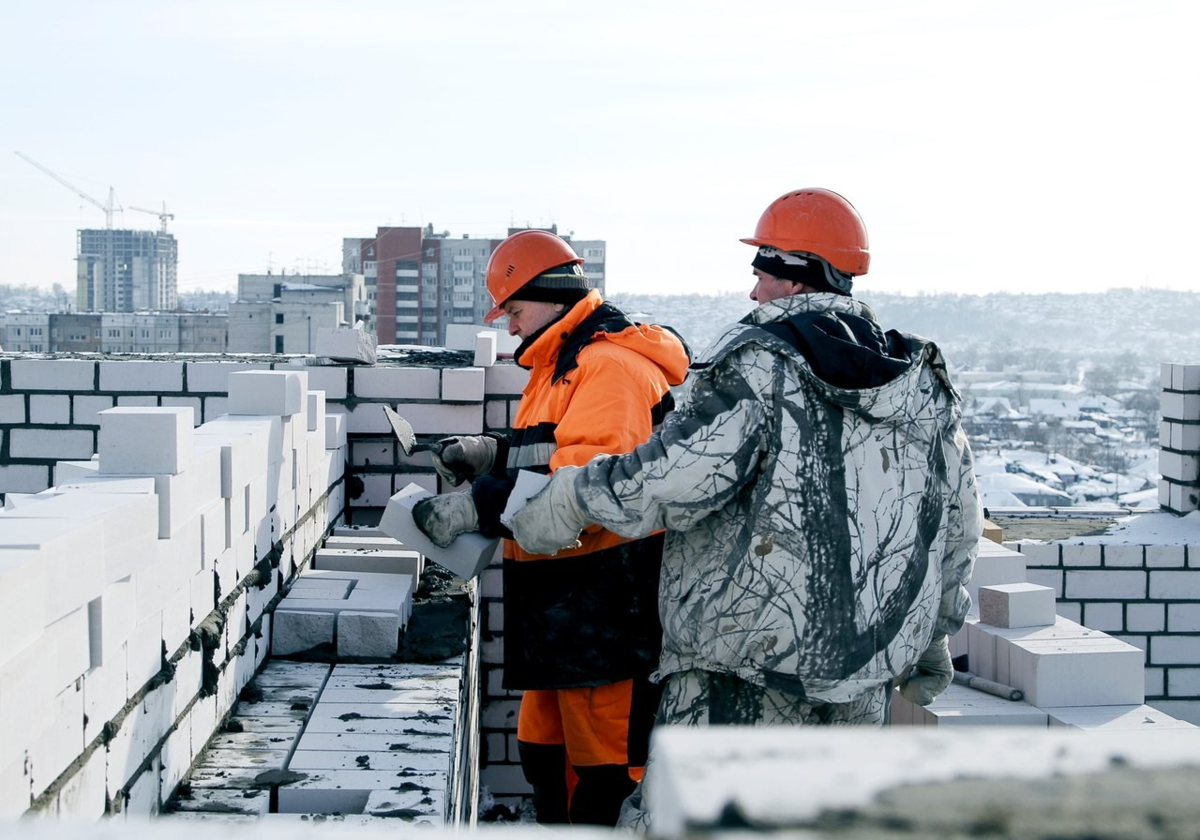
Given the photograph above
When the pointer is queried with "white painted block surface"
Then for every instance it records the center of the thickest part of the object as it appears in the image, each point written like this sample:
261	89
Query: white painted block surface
145	440
1016	605
1077	672
66	549
462	384
268	392
1128	718
960	706
316	411
400	561
485	348
129	521
23	600
1000	567
467	556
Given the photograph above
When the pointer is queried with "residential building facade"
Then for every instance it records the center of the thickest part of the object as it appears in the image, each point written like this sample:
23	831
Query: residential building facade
280	313
419	282
126	271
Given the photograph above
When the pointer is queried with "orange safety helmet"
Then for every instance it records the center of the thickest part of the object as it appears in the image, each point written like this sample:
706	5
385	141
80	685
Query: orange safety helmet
519	259
816	221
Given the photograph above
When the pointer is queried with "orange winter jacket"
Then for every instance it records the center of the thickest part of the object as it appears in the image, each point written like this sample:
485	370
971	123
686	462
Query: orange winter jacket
598	383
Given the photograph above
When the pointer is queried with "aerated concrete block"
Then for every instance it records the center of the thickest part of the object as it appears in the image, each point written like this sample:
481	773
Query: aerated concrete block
462	384
296	631
137	440
1016	605
1078	672
346	344
268	392
466	556
992	569
485	348
67	551
388	561
367	634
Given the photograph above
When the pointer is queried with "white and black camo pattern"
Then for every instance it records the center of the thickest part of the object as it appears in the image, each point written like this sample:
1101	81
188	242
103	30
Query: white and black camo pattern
818	537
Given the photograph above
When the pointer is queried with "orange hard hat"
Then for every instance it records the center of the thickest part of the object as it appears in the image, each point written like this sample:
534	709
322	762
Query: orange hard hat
519	259
816	221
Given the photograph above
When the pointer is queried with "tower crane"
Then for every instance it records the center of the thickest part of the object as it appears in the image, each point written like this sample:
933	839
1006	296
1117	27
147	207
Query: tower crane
163	216
107	208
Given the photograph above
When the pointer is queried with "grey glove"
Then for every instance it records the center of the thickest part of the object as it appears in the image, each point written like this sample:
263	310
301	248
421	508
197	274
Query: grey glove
442	518
464	457
551	520
931	675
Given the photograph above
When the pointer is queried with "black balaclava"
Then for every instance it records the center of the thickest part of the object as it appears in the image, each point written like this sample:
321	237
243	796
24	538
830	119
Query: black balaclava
800	267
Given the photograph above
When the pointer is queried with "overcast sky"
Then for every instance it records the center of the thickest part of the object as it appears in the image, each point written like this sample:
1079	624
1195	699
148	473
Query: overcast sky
1024	145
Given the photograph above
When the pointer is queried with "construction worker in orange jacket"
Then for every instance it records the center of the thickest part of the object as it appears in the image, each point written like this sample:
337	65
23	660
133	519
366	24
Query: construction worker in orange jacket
581	629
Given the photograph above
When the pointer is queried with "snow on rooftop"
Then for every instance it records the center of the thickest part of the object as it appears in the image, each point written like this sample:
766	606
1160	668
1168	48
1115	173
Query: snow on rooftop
1157	527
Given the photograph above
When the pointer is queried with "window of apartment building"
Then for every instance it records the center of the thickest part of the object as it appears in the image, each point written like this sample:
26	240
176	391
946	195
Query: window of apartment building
96	332
593	253
114	333
429	269
278	344
145	333
278	317
164	333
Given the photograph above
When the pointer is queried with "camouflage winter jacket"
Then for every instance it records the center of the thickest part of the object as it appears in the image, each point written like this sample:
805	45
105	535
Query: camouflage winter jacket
820	499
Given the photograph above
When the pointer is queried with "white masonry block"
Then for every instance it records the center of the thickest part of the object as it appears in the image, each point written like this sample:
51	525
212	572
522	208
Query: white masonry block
66	548
335	430
269	392
347	344
1016	605
485	348
129	522
316	411
462	384
367	634
992	569
1077	672
297	631
145	440
960	705
466	556
22	600
246	448
398	561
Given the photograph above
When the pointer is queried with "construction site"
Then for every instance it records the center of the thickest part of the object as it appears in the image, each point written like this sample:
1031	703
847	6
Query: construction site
210	623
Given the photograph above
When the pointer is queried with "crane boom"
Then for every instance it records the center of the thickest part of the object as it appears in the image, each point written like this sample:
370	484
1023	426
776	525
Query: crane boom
107	208
163	216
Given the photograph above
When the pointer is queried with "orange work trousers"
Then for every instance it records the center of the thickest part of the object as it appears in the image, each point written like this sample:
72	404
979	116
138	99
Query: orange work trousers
583	749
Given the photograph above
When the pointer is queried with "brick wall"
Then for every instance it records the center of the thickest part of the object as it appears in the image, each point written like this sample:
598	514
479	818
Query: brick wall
51	424
140	585
1146	595
1179	438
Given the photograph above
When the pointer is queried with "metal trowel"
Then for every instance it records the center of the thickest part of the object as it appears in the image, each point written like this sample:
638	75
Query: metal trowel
408	442
406	435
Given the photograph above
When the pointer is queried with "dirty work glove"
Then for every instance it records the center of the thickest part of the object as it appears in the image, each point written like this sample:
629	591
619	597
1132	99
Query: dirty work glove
931	675
442	518
551	520
463	457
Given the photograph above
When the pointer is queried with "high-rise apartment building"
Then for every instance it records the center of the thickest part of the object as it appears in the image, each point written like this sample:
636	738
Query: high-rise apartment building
126	271
420	281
